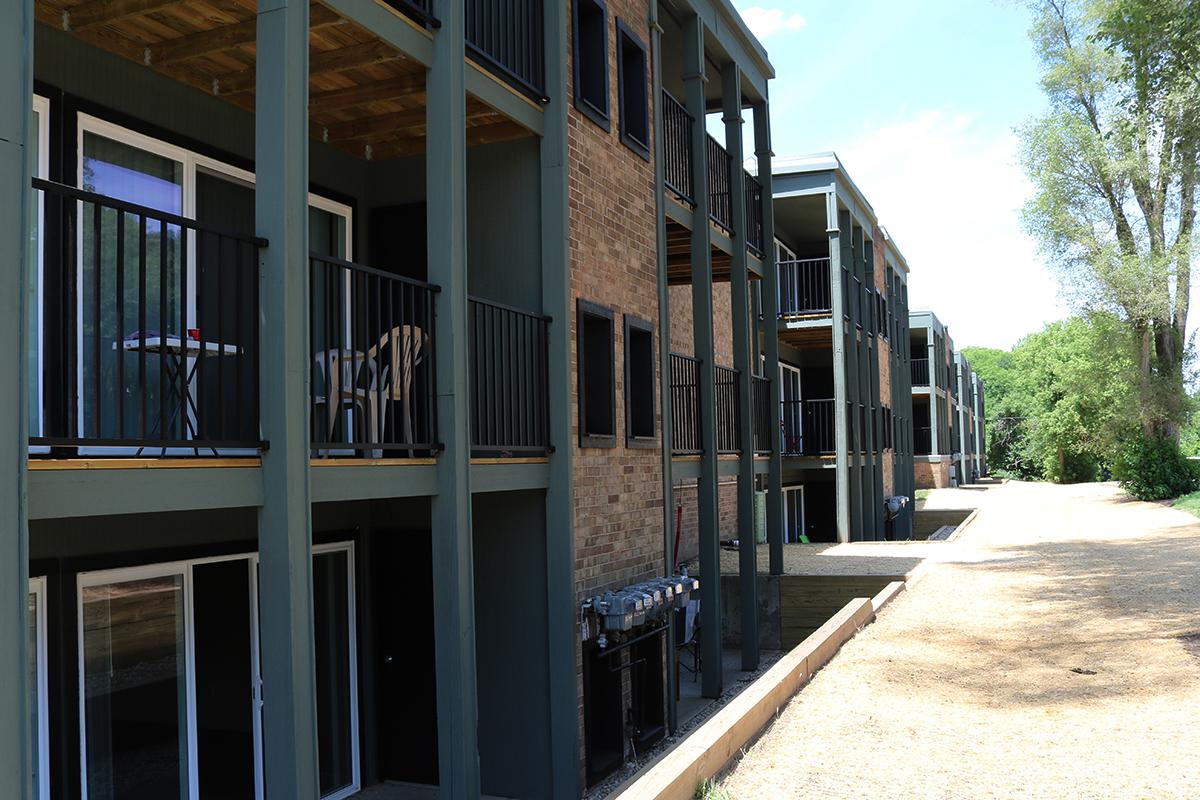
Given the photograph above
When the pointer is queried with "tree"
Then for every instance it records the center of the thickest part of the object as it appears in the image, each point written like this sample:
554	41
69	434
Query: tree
1060	404
1115	163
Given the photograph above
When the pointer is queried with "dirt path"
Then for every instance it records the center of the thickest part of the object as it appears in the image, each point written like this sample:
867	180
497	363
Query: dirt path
964	686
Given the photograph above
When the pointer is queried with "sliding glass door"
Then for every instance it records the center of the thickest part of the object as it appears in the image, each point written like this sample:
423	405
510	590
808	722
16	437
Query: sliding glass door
169	666
38	700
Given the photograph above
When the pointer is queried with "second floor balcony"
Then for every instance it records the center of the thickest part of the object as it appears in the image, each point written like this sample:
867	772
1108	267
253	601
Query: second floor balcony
920	371
147	342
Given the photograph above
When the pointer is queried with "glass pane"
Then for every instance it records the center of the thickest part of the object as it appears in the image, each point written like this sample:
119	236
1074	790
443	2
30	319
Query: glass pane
331	605
34	688
224	706
33	285
119	299
135	699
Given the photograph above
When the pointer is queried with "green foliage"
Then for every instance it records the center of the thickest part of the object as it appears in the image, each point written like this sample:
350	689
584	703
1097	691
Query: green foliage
1115	162
1059	403
711	790
1151	467
1189	502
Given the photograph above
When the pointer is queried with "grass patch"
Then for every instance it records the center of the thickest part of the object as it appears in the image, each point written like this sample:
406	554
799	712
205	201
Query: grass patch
1189	503
923	494
711	790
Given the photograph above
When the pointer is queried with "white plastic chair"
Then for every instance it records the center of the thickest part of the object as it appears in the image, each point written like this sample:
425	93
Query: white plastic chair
393	361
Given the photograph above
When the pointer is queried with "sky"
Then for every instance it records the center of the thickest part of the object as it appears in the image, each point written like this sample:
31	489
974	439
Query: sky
921	99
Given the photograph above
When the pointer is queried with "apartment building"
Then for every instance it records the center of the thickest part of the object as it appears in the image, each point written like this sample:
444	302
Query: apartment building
344	399
948	408
843	341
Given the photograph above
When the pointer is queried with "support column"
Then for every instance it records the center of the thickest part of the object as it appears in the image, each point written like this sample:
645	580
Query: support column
17	150
702	330
931	344
874	495
851	244
560	508
285	520
664	346
739	290
770	313
862	418
838	230
453	553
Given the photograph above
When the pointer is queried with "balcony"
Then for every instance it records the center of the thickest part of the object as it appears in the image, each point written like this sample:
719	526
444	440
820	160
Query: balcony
372	387
920	371
808	427
509	381
156	345
505	36
729	438
805	288
678	127
922	441
685	405
761	400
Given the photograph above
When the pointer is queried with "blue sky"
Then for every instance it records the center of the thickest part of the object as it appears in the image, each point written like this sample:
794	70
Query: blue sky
920	99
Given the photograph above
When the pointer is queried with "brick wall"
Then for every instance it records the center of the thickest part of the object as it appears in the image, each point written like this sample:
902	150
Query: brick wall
689	540
932	475
613	261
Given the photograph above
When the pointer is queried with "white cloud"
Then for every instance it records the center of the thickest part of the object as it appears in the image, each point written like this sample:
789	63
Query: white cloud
765	22
948	187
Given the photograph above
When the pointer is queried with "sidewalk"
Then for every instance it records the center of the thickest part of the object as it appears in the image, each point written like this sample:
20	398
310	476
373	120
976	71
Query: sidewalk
965	686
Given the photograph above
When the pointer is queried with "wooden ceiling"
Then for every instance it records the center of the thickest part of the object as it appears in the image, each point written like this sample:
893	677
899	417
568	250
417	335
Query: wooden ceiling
365	97
679	257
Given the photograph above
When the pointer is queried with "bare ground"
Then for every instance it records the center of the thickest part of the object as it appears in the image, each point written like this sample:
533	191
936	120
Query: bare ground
1050	653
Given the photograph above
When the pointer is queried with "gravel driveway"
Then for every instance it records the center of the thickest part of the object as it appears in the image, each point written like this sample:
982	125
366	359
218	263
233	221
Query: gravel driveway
1055	654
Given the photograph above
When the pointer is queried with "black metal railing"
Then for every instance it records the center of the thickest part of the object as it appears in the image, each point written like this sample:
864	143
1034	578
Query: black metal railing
509	380
856	301
507	36
807	427
761	400
922	441
677	147
420	11
157	345
725	385
373	384
920	371
754	219
720	185
804	287
685	405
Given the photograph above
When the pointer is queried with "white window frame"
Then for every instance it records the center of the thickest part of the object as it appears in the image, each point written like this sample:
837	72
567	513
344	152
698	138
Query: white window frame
37	588
41	105
185	569
786	371
191	163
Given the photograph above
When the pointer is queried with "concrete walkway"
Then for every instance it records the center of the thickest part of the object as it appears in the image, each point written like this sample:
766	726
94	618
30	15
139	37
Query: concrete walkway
1054	654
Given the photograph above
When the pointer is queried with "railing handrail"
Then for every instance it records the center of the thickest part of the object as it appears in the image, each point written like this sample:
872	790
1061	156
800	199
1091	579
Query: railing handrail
684	357
379	273
799	261
523	311
143	211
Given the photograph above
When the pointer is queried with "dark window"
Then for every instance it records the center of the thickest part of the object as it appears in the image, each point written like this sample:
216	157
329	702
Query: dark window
631	85
639	383
591	60
597	379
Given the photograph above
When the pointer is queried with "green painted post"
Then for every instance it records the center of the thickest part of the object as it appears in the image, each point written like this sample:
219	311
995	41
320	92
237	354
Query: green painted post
770	313
284	522
17	150
838	230
560	510
932	345
702	331
851	246
453	554
664	344
874	491
739	287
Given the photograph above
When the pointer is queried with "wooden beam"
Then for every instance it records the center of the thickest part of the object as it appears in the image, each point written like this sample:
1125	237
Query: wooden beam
358	55
503	131
351	96
410	122
227	37
397	148
100	12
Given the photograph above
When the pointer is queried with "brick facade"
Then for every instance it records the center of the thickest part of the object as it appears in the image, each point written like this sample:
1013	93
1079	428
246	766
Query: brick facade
931	474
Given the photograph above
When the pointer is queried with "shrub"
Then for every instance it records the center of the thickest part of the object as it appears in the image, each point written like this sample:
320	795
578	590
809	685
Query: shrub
1153	468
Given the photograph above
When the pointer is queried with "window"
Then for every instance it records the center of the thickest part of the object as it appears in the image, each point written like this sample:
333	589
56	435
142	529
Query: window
793	515
631	85
591	60
38	700
639	383
597	379
39	168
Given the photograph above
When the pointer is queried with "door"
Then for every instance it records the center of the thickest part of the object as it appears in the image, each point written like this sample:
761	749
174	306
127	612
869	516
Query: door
406	674
792	408
793	515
